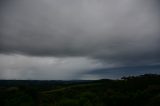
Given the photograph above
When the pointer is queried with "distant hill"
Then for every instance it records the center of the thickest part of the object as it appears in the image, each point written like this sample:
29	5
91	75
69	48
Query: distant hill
142	90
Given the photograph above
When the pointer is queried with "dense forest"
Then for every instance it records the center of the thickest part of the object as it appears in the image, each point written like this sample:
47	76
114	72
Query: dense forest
141	90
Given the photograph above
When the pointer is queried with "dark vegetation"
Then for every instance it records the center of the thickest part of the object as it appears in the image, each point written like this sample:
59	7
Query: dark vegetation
142	90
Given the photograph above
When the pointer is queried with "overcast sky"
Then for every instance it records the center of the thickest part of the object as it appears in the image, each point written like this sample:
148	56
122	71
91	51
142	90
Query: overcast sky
78	39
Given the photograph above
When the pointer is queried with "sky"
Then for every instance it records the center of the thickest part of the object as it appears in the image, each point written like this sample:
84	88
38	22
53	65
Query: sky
78	39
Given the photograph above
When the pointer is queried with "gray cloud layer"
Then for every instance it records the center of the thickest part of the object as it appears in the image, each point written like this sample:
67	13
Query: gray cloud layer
114	31
24	67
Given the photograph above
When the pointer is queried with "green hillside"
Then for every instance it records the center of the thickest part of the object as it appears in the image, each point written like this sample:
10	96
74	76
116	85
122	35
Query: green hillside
131	91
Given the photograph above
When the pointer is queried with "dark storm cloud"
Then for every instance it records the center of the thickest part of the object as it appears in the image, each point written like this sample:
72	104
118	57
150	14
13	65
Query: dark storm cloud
116	73
114	31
